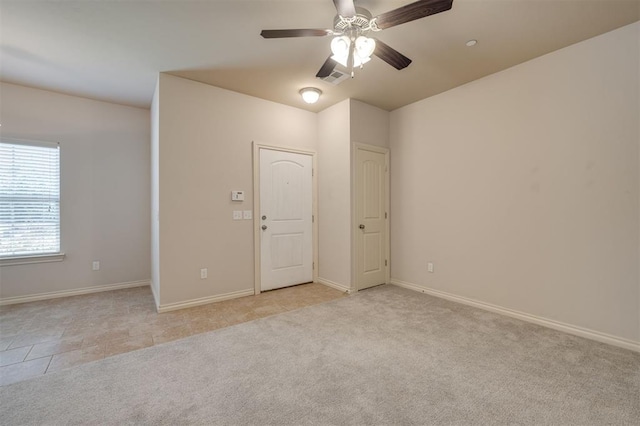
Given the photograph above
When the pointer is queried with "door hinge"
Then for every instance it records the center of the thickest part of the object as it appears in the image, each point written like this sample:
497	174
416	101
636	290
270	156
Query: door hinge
313	218
385	215
385	262
312	172
313	265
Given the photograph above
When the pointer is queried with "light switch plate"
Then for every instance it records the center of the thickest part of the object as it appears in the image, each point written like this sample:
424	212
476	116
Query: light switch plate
237	195
237	215
247	215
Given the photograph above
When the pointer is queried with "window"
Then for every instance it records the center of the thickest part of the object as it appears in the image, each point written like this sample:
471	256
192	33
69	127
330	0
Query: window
29	199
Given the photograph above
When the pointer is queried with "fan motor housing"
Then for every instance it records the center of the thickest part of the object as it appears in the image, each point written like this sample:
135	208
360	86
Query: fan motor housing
360	20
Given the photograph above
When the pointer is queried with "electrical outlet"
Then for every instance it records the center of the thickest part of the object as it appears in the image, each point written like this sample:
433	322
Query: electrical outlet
247	215
237	215
203	273
96	265
430	267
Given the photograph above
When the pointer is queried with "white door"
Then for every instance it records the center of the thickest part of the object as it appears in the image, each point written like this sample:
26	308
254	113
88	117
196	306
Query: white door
371	201
286	208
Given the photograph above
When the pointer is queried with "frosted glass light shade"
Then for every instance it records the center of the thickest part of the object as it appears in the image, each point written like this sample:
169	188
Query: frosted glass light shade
342	60
363	49
340	49
365	46
310	94
340	46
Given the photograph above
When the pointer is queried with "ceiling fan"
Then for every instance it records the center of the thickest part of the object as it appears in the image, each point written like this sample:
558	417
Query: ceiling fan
350	46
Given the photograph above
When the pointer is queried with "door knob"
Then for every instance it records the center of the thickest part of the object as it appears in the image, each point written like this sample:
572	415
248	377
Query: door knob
264	217
264	227
361	226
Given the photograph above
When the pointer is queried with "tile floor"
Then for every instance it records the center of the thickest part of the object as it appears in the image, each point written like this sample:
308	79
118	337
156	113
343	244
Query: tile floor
40	337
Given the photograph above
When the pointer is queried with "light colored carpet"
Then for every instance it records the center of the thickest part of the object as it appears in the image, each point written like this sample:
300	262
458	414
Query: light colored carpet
383	356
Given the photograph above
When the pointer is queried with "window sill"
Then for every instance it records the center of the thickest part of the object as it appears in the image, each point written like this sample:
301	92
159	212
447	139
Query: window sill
36	258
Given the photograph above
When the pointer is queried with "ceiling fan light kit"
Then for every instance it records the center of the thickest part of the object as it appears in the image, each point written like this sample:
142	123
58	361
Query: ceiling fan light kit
363	48
350	46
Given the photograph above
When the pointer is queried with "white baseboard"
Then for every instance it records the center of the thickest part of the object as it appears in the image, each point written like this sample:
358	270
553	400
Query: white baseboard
74	292
333	284
556	325
204	300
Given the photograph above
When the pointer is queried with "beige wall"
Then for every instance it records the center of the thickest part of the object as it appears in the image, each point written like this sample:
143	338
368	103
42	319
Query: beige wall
523	187
334	194
104	189
638	170
205	142
369	124
155	193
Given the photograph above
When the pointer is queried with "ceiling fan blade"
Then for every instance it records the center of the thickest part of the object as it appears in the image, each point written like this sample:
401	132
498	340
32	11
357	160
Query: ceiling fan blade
391	56
345	8
295	33
412	11
327	68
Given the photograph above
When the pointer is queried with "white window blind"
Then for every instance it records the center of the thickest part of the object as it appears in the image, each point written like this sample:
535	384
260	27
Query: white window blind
29	198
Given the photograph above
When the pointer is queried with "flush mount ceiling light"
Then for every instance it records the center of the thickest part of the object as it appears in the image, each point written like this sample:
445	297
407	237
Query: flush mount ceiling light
351	46
471	43
310	94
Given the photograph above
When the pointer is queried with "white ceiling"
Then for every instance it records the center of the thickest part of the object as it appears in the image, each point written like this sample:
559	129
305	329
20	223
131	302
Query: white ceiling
113	50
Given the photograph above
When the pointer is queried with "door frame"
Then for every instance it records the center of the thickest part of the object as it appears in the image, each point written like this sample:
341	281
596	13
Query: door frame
355	249
257	253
